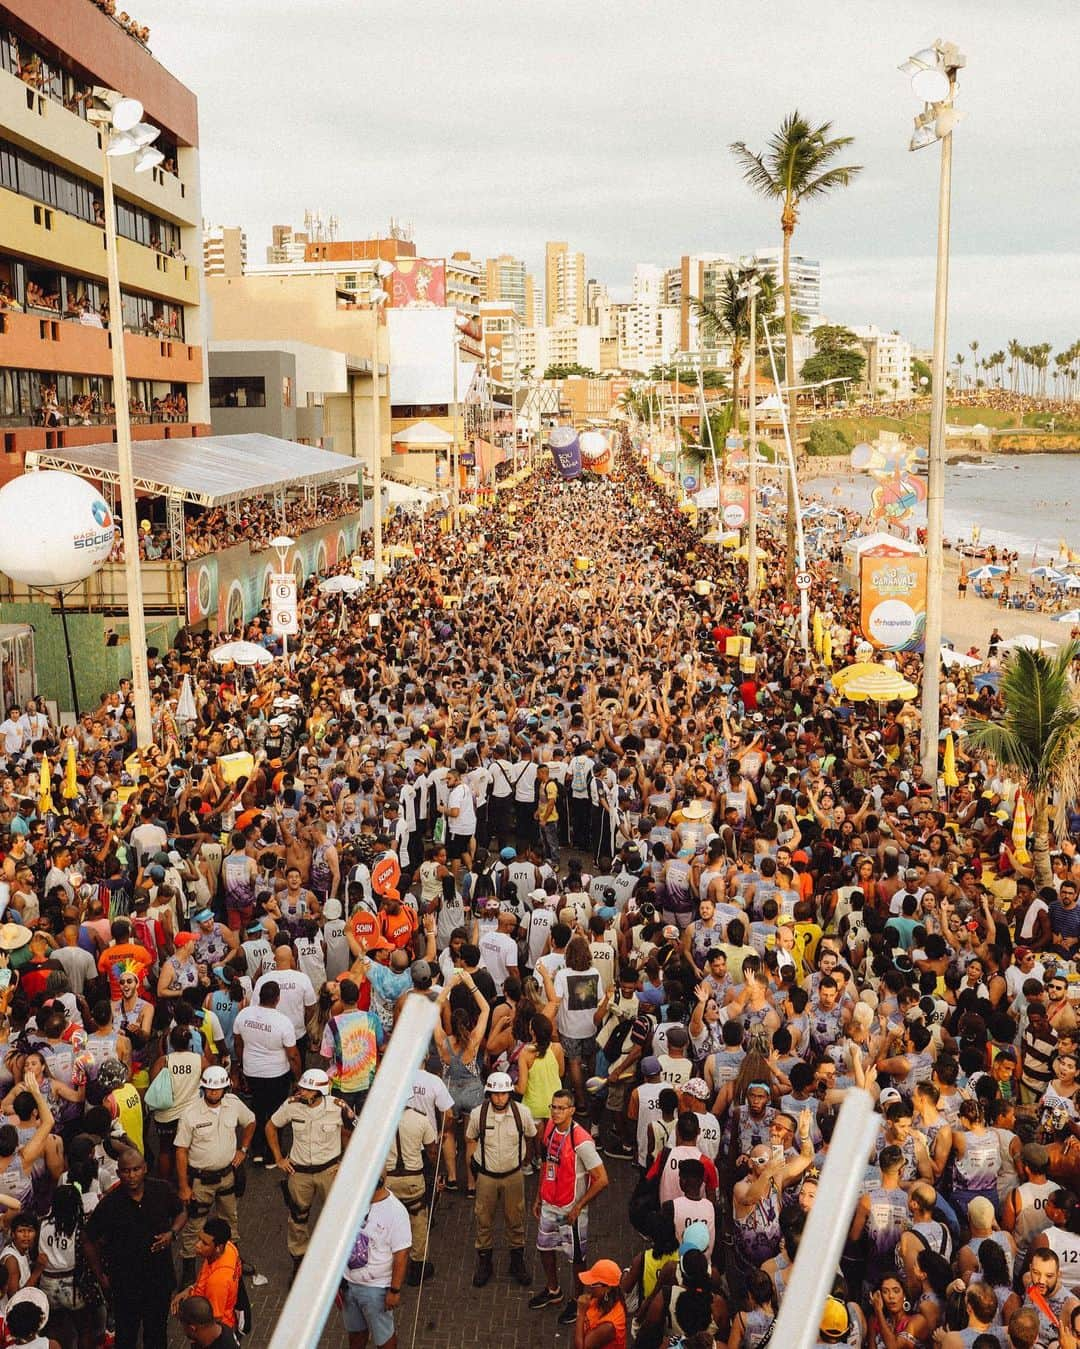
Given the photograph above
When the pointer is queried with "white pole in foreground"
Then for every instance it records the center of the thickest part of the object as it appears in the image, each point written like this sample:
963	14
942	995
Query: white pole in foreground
800	537
828	1224
306	1308
751	470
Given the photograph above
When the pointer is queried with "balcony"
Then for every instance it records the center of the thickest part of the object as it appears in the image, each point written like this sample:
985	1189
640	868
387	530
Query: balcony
40	341
17	441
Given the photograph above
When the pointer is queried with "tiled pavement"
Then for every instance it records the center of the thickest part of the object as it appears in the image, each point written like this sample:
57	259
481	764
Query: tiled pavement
451	1311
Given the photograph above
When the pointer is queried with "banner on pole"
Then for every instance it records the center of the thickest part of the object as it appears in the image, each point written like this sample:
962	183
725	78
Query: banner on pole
892	602
283	615
734	505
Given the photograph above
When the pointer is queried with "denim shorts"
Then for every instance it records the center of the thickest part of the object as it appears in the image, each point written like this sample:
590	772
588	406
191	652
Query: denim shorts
363	1307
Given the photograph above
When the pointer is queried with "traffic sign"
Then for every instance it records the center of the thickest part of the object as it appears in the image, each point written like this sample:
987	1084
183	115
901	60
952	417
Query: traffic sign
803	580
283	615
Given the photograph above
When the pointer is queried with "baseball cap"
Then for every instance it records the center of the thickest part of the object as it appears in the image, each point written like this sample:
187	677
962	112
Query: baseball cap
834	1318
420	970
650	1066
332	908
204	916
605	1272
156	873
508	854
671	932
678	1037
695	1237
1022	952
184	938
889	1096
698	1088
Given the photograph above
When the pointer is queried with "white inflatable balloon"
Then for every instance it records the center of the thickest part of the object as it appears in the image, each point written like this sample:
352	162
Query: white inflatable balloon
594	444
55	529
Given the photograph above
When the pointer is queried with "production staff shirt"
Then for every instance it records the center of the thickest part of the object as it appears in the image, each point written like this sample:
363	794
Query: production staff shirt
267	1034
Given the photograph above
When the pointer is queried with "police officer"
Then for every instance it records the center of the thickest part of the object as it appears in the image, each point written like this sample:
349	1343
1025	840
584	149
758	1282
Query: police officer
212	1140
496	1147
319	1122
414	1137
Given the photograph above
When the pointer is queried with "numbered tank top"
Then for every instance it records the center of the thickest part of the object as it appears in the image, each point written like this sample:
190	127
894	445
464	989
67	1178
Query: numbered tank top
978	1168
239	885
757	1236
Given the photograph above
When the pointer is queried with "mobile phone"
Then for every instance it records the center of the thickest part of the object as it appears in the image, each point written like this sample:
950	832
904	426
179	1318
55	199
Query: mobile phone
5	977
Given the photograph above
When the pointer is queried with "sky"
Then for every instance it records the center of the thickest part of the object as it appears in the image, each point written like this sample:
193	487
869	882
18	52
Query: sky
492	127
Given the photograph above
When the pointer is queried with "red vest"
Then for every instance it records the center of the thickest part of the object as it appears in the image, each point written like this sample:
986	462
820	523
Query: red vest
558	1178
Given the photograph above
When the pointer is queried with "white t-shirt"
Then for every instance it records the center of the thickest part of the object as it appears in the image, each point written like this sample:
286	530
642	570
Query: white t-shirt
297	995
266	1034
463	824
149	839
541	921
387	1230
430	1094
579	993
500	955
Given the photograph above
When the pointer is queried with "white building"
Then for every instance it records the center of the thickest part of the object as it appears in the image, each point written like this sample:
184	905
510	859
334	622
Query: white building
648	284
224	250
888	363
805	281
564	343
647	334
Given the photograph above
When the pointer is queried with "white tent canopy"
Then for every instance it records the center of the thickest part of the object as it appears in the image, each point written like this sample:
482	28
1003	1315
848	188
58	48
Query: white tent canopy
423	434
399	493
861	542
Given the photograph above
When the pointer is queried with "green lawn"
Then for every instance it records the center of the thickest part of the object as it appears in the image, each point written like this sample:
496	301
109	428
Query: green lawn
917	428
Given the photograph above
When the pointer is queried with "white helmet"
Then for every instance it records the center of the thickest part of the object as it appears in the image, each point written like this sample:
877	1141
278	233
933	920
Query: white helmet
498	1082
315	1080
214	1079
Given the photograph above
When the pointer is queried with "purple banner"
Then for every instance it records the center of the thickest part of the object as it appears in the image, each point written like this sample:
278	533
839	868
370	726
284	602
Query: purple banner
564	445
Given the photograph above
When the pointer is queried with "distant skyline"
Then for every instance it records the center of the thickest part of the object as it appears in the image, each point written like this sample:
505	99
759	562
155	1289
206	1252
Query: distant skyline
495	127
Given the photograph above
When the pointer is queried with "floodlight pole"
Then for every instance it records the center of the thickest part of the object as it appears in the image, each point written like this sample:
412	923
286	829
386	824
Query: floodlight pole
751	471
140	676
935	476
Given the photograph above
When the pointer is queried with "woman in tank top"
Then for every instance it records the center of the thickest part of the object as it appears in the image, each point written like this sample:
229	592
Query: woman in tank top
976	1159
540	1068
186	1068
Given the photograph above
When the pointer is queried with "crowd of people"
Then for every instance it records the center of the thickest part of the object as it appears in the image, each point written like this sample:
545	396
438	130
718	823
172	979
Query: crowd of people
212	530
672	903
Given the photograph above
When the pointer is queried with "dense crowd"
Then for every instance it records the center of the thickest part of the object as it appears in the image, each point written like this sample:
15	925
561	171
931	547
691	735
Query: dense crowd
672	902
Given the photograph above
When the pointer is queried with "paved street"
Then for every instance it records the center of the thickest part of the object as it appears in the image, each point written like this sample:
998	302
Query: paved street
452	1311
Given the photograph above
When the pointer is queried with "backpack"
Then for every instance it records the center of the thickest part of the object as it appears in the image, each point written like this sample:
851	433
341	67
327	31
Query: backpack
143	931
242	1310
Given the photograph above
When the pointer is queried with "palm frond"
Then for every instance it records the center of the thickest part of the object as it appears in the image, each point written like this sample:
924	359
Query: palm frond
831	178
755	171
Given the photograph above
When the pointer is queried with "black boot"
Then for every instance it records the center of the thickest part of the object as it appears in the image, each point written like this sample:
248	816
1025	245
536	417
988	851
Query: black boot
484	1269
518	1269
419	1269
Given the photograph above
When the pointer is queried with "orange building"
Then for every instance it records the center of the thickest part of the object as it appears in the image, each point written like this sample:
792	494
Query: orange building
55	326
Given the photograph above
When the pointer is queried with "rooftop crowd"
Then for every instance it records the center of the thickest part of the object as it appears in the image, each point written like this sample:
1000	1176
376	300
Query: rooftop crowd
671	908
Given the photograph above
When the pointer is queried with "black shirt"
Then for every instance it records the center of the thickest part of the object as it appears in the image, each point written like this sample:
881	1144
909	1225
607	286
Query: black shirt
124	1230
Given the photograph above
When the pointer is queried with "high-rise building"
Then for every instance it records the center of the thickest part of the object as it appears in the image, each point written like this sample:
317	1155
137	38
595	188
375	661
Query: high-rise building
533	306
224	250
648	287
701	277
504	282
564	284
55	364
287	245
888	372
805	282
596	299
646	334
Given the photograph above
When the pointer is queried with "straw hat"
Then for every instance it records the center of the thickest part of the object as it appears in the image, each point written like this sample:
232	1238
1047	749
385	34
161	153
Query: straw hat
13	936
697	810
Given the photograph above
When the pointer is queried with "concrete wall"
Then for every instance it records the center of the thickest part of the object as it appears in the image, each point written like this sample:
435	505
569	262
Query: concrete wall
273	367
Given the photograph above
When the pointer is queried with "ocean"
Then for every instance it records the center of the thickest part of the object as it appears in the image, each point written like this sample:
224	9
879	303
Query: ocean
1019	501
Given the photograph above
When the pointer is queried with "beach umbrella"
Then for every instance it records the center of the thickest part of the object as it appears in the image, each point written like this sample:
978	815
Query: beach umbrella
1020	829
880	685
1028	642
1069	616
987	573
1071	583
241	653
951	658
341	585
45	801
988	680
1047	573
70	789
861	667
949	762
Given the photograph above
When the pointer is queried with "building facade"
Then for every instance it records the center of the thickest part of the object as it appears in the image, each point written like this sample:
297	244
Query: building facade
564	284
888	372
805	281
224	250
563	343
55	361
504	283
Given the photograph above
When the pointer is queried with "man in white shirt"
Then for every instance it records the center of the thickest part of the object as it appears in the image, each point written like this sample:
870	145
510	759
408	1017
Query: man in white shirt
499	951
148	837
265	1053
460	813
375	1271
296	994
430	1094
11	731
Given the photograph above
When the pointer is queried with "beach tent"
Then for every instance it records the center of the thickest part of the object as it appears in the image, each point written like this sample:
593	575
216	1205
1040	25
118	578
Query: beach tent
1069	616
1028	642
951	658
877	545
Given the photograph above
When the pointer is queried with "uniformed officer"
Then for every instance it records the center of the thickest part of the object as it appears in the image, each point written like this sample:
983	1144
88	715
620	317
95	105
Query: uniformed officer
212	1139
318	1121
405	1180
496	1146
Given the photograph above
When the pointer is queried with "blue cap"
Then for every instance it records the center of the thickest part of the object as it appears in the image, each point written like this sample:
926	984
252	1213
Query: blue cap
651	1066
203	916
508	854
695	1237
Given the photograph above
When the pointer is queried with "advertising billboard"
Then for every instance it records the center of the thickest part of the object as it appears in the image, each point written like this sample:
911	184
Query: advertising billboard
892	601
418	283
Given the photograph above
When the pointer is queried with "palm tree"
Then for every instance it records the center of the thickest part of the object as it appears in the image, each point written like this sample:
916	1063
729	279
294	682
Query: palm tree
960	372
1014	368
1038	737
973	347
796	167
727	321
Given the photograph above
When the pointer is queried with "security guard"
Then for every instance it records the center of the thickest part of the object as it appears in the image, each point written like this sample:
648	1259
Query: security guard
496	1146
212	1139
319	1123
405	1180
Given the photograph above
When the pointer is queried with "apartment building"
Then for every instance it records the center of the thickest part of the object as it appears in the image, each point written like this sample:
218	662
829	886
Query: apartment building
224	250
805	281
55	325
888	372
504	283
564	284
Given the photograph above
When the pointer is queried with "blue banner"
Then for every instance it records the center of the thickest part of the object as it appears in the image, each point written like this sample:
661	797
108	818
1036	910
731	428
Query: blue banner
566	448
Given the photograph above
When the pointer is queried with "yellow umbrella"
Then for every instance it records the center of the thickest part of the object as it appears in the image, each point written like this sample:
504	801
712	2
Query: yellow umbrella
70	789
45	801
949	762
826	647
1020	829
880	685
819	632
861	667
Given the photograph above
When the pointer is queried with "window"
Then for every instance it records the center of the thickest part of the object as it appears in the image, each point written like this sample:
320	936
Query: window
237	391
286	391
420	410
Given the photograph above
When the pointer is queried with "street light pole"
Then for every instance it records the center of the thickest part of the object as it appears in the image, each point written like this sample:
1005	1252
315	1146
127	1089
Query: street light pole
751	471
933	79
140	676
